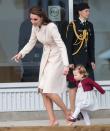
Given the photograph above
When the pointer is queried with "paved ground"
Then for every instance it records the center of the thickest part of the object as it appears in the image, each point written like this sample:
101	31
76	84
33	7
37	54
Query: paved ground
45	123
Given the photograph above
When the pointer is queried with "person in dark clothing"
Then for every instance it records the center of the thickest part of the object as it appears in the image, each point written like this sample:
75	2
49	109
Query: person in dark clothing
31	62
62	25
80	46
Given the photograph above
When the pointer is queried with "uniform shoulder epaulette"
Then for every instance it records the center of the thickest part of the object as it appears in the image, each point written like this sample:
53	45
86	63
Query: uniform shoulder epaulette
89	22
71	23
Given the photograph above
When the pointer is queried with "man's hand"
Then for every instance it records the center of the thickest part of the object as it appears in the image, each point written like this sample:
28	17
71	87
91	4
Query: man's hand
93	65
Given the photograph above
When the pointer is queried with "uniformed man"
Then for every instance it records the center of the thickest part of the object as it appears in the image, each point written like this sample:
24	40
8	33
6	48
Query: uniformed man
80	45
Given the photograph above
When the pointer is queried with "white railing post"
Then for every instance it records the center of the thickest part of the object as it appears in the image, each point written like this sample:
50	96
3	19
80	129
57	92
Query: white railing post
71	10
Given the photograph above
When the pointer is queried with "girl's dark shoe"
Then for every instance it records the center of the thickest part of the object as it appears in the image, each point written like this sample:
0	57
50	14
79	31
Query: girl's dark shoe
80	117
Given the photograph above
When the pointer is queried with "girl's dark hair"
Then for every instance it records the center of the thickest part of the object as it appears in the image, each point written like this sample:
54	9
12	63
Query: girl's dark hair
38	11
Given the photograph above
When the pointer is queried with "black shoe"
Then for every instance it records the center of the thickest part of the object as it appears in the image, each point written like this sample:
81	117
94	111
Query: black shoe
80	117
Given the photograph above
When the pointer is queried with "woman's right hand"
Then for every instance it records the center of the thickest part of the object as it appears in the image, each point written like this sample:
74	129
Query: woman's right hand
17	57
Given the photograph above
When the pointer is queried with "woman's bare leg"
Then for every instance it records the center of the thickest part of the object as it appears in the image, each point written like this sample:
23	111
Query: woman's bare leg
72	96
49	107
56	98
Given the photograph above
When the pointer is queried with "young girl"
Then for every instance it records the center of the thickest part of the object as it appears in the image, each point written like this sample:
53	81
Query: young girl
85	97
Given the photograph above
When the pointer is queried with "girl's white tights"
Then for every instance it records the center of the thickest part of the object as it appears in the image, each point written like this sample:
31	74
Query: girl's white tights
84	113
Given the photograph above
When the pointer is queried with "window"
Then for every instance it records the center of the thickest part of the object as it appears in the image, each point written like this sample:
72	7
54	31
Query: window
14	34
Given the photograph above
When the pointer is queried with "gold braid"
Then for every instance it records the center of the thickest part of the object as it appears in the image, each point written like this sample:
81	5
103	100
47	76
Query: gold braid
83	38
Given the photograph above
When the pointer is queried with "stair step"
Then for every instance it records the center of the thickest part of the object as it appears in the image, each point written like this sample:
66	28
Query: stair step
58	128
42	115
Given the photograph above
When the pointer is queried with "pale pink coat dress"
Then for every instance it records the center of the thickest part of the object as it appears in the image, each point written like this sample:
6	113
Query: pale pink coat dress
54	58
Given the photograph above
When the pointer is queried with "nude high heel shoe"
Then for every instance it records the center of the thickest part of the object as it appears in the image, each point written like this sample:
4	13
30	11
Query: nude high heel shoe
55	123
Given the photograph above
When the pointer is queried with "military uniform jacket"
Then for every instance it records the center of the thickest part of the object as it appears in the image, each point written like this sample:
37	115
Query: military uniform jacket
86	54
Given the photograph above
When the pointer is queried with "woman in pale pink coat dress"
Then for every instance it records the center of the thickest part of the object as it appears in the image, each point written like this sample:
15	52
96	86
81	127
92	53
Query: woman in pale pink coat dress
54	62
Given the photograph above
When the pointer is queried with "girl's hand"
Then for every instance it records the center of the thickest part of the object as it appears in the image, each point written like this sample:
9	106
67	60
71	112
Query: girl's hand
17	57
66	70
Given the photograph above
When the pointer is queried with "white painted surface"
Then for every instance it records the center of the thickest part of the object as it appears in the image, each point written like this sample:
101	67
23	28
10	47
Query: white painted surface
24	97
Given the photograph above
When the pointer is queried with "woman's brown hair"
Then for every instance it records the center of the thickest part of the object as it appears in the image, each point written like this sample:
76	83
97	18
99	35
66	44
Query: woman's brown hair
39	11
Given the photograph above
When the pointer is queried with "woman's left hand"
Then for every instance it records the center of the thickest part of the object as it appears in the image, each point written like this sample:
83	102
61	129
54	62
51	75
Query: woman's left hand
66	70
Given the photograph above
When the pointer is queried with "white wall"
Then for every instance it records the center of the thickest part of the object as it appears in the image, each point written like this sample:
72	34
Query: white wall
24	97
